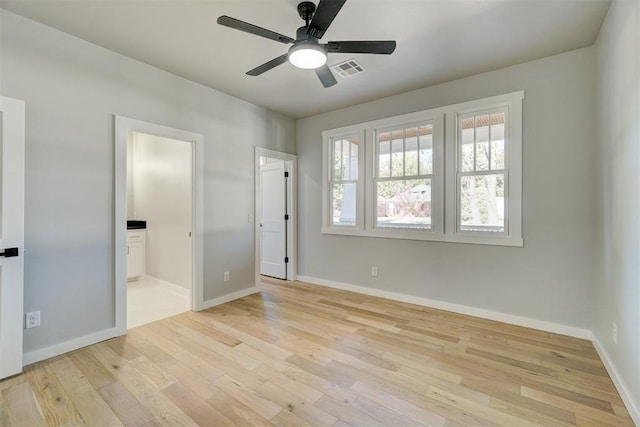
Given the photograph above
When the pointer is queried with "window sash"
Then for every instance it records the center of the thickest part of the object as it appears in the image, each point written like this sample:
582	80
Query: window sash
461	173
402	127
483	229
330	179
405	226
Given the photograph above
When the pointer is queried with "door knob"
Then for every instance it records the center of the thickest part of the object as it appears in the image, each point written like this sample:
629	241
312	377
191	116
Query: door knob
9	252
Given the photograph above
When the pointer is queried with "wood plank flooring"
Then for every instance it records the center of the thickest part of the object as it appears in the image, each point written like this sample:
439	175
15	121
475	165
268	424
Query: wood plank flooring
299	354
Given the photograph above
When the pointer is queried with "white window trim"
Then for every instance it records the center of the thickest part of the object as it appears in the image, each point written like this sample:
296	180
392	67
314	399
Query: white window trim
444	202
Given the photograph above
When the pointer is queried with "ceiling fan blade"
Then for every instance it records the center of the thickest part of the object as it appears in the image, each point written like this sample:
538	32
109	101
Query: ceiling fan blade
326	76
268	65
323	17
385	47
237	24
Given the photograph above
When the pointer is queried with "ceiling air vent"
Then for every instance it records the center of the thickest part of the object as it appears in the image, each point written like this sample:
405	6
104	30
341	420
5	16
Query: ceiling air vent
348	68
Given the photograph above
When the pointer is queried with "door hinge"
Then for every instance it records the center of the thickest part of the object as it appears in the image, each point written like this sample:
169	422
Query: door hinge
286	174
286	217
286	259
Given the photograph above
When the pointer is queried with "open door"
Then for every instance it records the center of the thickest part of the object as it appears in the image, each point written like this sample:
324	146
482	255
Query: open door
11	235
273	229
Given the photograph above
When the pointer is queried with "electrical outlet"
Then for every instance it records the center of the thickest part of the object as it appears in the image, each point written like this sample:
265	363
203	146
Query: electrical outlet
32	319
226	276
614	333
374	271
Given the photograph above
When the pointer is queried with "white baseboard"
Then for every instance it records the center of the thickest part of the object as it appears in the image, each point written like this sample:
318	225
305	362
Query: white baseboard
66	346
230	297
76	343
542	325
618	380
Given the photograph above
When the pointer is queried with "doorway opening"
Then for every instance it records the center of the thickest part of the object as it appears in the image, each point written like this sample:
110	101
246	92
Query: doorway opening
158	228
275	215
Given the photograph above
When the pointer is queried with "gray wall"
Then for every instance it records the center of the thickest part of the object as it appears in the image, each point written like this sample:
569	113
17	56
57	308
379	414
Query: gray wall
551	278
72	90
617	290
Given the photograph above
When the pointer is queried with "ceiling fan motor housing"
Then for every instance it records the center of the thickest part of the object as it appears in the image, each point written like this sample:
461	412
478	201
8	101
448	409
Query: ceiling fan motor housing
305	10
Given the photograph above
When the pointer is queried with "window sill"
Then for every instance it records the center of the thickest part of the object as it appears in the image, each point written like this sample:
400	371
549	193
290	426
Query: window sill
429	236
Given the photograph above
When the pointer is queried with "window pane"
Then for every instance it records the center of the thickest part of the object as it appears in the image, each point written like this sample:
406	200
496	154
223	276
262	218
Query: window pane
425	135
467	159
343	197
397	153
497	141
353	161
345	159
384	153
337	156
404	204
411	151
346	156
482	203
482	142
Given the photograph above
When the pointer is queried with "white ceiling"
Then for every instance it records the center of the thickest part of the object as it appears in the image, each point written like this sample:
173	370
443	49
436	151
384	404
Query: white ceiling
438	40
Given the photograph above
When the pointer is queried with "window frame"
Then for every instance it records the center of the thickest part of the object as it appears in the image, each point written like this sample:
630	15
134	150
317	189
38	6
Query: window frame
376	167
476	172
512	236
445	197
435	119
328	227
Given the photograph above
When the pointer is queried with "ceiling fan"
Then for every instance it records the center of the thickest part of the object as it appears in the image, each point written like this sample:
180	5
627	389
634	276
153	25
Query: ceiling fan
306	52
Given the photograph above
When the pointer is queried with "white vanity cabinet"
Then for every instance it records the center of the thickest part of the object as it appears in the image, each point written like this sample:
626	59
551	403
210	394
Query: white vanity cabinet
135	253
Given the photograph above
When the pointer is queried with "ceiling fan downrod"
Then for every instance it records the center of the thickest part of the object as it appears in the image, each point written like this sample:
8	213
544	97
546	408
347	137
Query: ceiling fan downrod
306	10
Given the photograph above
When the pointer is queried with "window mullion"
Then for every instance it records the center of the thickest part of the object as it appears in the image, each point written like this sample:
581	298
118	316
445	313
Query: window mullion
341	159
418	148
489	144
390	155
475	142
404	152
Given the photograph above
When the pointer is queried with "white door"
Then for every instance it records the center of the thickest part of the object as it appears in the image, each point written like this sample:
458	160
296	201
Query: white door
11	234
273	226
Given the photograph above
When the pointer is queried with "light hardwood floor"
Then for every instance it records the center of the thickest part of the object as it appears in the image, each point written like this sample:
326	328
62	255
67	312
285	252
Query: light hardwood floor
300	354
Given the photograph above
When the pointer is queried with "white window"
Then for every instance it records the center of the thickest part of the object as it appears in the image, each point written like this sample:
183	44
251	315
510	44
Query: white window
404	177
343	160
481	178
343	180
447	174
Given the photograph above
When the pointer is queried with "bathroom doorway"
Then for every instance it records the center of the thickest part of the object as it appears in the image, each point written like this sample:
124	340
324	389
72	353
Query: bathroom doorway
159	227
158	257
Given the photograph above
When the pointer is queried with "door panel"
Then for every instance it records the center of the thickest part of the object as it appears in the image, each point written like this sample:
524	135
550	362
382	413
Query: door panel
11	235
273	235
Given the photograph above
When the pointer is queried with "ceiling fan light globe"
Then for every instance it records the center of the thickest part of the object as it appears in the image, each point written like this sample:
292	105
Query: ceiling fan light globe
307	57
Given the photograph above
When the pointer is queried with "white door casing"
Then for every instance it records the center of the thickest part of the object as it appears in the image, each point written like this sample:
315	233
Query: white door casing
11	235
273	230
